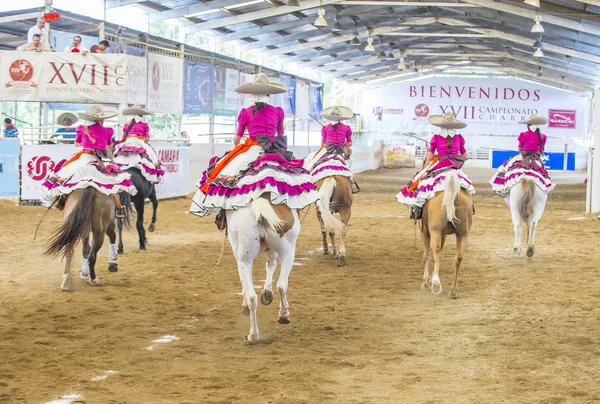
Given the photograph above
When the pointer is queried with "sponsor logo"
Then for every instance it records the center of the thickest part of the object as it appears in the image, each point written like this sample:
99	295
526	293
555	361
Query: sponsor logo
21	73
39	167
155	76
380	111
422	111
562	118
169	159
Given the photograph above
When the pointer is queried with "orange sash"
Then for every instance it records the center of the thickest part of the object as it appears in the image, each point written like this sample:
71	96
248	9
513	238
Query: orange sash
418	177
237	150
76	157
317	153
136	136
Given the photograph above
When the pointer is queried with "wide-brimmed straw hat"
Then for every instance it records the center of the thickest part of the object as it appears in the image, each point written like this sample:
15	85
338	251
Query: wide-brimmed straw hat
446	121
97	112
136	110
535	120
337	113
64	116
261	86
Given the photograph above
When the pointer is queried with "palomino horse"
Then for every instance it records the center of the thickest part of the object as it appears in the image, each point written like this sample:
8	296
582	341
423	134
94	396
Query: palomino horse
85	211
145	190
336	197
526	202
274	229
449	212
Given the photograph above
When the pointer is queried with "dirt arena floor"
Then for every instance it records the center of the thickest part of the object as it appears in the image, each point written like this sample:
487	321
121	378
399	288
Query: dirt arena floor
157	332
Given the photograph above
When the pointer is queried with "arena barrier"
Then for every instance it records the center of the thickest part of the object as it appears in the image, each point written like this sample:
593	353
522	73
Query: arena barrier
9	167
551	160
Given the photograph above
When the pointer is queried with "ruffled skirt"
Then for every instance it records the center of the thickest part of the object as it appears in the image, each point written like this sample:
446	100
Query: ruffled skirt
511	172
136	153
322	164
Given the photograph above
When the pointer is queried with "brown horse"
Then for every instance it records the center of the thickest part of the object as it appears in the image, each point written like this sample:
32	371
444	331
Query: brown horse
85	211
336	197
449	212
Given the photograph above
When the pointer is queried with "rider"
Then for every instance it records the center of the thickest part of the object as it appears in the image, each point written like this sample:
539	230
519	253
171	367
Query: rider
451	155
134	151
336	143
260	165
90	167
531	146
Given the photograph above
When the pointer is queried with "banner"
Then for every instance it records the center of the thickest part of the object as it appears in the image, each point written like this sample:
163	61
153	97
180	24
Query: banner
399	156
302	99
66	77
9	167
316	102
38	161
225	97
198	88
552	161
244	100
165	82
137	80
488	106
288	100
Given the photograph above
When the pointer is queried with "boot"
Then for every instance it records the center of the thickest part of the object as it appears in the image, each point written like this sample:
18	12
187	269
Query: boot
473	209
221	220
416	212
119	210
60	204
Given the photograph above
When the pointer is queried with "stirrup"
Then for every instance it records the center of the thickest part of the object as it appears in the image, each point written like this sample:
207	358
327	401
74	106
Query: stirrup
120	213
416	213
355	184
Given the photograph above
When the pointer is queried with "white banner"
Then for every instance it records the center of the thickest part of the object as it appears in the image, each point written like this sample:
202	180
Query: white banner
165	84
68	77
488	106
38	161
302	99
244	99
137	73
231	82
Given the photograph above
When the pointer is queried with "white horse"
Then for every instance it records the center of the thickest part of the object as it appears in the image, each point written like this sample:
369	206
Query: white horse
274	229
526	202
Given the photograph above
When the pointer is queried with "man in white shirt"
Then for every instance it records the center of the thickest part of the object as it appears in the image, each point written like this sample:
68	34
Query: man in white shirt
39	29
77	46
35	45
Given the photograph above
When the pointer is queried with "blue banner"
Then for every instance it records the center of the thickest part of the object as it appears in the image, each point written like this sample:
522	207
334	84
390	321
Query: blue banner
288	100
9	167
198	88
316	102
552	161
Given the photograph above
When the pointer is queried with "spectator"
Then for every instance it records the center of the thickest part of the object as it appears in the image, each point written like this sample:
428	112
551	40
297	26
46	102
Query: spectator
102	47
77	46
186	142
67	131
10	130
39	29
36	45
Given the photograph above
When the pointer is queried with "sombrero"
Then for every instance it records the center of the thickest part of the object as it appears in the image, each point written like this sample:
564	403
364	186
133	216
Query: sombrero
136	110
261	86
446	121
97	112
65	115
337	113
535	120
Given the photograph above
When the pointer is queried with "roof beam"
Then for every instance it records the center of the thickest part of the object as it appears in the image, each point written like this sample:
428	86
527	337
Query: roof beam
403	3
121	3
257	15
18	17
195	9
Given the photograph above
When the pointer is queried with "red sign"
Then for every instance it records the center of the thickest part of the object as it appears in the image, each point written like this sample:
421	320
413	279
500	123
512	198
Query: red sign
40	167
51	16
562	118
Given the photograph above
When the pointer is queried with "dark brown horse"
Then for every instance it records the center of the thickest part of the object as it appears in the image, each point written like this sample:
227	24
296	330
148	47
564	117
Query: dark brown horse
85	211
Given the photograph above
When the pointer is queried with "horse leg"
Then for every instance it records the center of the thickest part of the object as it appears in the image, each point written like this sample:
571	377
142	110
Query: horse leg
436	249
333	247
513	200
120	229
97	241
345	217
426	257
139	224
154	201
65	286
324	233
287	261
461	246
113	255
266	297
85	265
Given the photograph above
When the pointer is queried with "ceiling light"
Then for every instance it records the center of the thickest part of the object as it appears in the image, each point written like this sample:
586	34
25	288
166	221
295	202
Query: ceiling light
540	73
533	3
293	3
321	21
337	26
401	65
538	53
355	41
537	27
538	44
390	55
370	47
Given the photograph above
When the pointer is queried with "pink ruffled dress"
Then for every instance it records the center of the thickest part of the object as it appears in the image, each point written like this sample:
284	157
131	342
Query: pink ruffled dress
134	152
329	159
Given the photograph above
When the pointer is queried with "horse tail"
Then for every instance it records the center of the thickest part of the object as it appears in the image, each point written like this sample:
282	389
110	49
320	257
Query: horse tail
451	191
330	222
125	199
266	216
526	203
75	227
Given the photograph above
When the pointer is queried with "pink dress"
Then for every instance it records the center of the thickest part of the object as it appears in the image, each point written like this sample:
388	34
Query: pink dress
139	129
530	141
439	145
266	121
101	135
329	160
341	135
135	152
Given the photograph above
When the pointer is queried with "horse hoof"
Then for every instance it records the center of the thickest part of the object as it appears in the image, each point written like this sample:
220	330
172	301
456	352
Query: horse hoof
452	295
245	311
342	261
516	250
65	288
84	276
120	251
142	248
253	339
152	227
530	251
284	319
325	252
113	267
94	282
266	297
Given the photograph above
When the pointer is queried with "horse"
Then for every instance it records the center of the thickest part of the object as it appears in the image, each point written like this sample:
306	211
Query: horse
145	190
448	212
85	211
526	202
274	229
336	197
